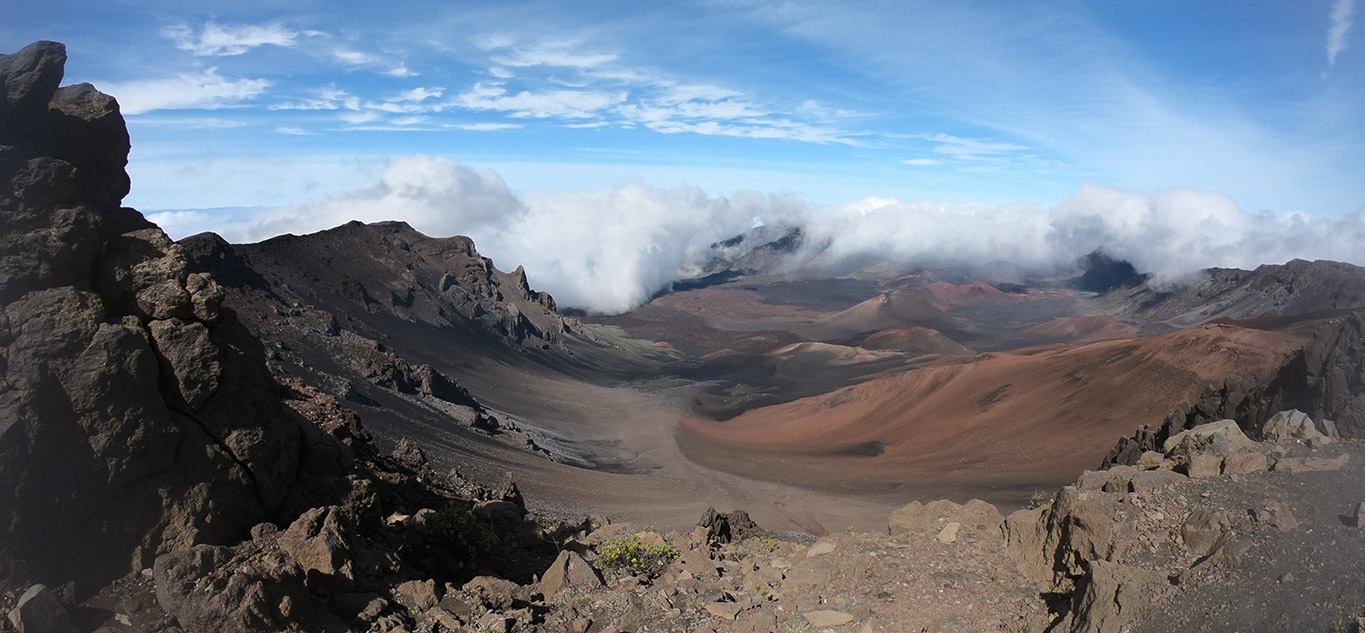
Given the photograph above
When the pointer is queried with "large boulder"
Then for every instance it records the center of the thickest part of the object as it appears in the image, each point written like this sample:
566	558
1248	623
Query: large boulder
1219	438
569	570
1292	425
930	519
1113	597
39	611
137	417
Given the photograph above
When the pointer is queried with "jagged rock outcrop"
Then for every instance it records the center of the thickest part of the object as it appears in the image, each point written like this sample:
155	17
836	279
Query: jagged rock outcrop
1325	380
136	417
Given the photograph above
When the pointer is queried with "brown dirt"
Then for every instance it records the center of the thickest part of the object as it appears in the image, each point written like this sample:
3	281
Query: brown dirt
1081	330
992	425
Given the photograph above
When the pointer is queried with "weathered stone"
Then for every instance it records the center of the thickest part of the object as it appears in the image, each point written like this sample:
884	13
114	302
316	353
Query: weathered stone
1245	463
253	588
827	618
1118	478
1025	535
39	611
929	519
918	518
32	76
568	570
1093	479
446	619
755	621
1310	464
1275	514
1292	425
1230	554
1113	597
1203	466
724	610
185	349
1084	529
949	533
364	606
1219	438
1203	531
606	533
495	593
821	547
1150	460
1359	515
316	542
696	563
416	595
409	453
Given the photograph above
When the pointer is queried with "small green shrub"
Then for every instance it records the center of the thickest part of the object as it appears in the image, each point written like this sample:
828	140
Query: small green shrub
1039	500
637	557
458	530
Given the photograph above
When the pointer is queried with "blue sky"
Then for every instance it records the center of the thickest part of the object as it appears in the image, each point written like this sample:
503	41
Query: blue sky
268	103
239	109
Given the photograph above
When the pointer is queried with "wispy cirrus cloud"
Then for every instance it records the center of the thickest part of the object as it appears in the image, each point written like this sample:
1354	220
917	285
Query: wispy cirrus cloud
561	54
1342	13
357	60
326	98
571	79
230	39
486	127
191	123
567	104
971	148
203	90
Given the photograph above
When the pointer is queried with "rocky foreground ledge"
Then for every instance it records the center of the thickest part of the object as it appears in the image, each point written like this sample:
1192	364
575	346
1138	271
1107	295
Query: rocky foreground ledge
155	476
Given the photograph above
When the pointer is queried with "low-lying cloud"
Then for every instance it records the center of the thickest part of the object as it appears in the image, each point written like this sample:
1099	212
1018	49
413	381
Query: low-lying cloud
611	249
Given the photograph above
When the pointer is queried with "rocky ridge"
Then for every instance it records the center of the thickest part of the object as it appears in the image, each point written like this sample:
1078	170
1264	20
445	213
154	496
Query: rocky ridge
1297	287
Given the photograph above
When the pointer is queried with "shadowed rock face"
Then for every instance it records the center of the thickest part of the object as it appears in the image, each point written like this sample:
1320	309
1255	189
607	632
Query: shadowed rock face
136	416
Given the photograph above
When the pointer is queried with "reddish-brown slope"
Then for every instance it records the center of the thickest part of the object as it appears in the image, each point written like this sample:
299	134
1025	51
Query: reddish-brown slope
946	295
1035	415
891	310
915	341
1081	330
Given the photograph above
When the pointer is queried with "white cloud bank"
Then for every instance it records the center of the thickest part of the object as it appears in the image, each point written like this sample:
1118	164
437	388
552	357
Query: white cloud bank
609	250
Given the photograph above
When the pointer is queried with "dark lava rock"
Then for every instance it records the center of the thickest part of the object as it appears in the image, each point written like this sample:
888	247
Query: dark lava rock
135	417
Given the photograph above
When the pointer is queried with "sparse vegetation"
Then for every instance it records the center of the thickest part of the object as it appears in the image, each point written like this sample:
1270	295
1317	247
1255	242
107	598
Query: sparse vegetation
458	530
635	556
1039	500
1347	623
